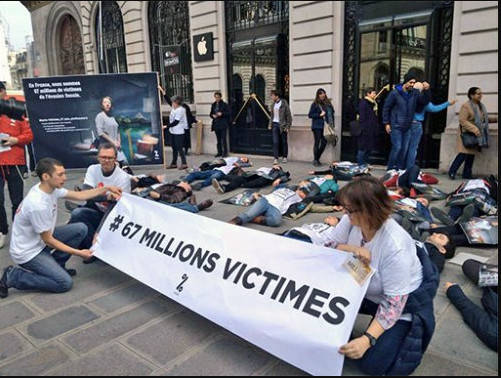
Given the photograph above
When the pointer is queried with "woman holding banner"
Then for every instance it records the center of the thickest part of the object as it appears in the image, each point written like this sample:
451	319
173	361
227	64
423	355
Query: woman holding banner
401	291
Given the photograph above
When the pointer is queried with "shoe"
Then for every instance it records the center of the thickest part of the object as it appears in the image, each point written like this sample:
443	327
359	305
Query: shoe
237	221
183	166
198	186
484	206
91	260
205	205
284	160
260	219
467	214
442	216
172	166
2	240
71	272
452	176
217	185
70	206
316	163
217	156
275	161
4	289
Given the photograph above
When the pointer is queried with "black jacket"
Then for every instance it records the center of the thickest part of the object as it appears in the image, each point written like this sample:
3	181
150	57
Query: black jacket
220	122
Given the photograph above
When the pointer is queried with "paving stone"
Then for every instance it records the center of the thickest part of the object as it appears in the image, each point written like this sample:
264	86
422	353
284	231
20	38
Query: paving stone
228	356
283	369
82	289
173	336
14	313
10	345
98	334
112	361
124	297
457	340
435	365
60	322
35	363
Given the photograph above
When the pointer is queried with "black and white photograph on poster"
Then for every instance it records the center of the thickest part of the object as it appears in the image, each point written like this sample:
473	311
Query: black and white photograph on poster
481	230
71	115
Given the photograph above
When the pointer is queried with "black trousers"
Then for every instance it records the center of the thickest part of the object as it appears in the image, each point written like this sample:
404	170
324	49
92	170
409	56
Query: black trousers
319	144
252	182
280	145
222	144
461	158
15	183
178	148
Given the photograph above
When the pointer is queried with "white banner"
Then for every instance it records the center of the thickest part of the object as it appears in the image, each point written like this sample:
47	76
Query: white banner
295	300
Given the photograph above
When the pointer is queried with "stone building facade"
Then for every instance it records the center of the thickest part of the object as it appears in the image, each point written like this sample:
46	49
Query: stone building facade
318	44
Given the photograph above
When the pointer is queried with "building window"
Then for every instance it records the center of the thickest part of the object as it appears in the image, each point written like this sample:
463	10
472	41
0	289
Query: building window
110	38
169	25
70	47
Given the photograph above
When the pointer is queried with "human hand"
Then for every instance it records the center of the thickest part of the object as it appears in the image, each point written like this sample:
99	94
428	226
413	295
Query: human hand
117	145
426	85
452	102
337	208
419	86
219	114
10	141
161	90
85	253
448	285
356	348
322	114
388	128
256	195
476	132
363	254
115	191
311	172
154	195
276	183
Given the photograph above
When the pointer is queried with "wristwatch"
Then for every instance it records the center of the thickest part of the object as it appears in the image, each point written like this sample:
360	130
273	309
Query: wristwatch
371	338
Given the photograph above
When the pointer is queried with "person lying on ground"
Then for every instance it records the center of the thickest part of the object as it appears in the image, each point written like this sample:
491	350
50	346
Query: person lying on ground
232	165
323	187
39	247
179	196
314	233
269	209
259	178
242	161
482	321
344	170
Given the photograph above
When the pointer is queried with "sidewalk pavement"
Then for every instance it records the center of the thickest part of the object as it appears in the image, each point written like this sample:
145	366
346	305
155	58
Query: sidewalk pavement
110	324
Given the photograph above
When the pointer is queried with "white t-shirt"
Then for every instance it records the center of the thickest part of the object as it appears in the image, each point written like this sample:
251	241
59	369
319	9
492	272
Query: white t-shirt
178	114
94	177
276	113
264	170
36	214
394	258
282	199
475	184
229	165
319	233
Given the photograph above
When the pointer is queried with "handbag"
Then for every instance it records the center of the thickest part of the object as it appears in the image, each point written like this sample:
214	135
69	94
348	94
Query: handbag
330	134
469	139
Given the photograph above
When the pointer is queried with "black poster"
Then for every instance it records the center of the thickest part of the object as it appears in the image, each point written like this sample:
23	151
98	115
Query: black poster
171	59
203	46
69	113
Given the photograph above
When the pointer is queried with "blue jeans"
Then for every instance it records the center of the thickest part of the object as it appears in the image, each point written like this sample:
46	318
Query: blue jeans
207	176
461	158
399	141
91	218
46	271
416	132
262	207
363	157
186	206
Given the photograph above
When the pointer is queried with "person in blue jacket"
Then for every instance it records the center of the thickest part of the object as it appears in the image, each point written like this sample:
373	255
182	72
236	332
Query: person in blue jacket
398	112
321	111
416	131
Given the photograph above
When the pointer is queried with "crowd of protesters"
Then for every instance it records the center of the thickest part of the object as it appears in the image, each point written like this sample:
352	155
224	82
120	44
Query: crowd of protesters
405	241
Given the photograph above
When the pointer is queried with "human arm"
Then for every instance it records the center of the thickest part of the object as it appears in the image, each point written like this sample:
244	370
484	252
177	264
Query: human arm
464	115
53	243
84	195
388	105
432	108
288	117
25	136
314	112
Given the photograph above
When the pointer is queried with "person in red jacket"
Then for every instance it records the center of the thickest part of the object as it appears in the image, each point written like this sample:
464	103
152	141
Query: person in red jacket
14	135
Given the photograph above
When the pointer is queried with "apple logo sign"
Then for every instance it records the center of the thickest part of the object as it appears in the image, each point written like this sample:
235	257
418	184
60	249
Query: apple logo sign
202	46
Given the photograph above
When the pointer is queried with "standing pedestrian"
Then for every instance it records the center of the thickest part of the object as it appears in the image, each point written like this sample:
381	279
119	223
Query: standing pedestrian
368	125
398	113
473	118
280	124
321	112
416	131
14	135
220	114
177	127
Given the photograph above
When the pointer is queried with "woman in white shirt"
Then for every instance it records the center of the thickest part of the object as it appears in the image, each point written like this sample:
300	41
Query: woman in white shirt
368	231
177	126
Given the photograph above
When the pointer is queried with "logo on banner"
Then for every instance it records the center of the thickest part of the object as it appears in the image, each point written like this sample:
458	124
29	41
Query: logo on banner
180	287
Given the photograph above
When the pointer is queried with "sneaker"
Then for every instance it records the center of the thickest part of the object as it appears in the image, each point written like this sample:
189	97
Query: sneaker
467	214
284	160
183	166
442	216
316	163
275	161
452	176
197	186
172	166
217	185
71	272
4	289
205	205
70	206
484	206
2	240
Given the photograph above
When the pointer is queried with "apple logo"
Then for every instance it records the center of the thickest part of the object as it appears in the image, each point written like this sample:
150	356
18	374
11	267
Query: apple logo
201	47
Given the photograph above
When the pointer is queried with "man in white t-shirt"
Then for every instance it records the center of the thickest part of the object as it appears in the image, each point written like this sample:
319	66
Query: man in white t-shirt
35	235
177	126
106	173
232	164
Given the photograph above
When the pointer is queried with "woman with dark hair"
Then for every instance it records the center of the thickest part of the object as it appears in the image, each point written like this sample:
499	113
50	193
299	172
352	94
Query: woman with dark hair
473	118
107	129
321	112
368	125
401	290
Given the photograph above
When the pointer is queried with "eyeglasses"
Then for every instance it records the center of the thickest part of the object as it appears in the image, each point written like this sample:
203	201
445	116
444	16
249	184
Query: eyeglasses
106	158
